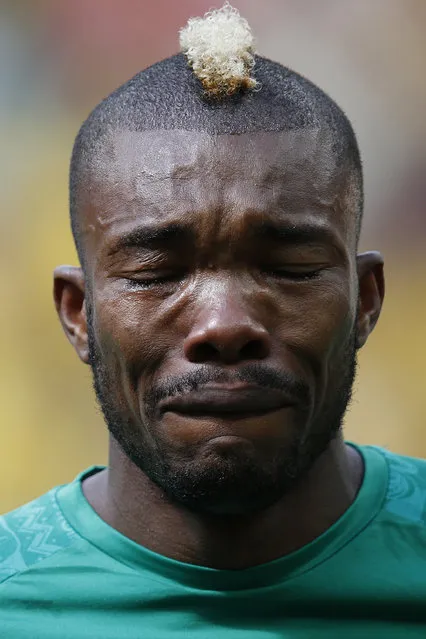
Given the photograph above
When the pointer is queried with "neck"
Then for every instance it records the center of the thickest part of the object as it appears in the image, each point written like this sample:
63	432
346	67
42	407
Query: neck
129	502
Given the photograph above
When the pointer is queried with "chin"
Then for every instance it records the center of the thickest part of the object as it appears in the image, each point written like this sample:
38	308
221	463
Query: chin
228	477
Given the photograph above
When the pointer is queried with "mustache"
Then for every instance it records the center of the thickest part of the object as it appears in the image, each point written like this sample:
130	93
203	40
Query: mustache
256	374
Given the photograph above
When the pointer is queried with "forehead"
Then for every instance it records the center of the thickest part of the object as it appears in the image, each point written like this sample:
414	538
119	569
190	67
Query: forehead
158	176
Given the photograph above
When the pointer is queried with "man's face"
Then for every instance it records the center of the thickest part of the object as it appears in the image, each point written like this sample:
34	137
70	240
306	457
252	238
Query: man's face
223	308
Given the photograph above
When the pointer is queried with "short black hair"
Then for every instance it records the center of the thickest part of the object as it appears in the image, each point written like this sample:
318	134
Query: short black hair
167	95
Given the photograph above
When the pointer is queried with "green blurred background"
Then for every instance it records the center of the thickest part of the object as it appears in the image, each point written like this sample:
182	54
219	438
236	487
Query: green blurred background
58	58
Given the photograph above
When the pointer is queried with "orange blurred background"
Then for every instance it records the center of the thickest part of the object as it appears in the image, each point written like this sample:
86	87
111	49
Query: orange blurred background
57	60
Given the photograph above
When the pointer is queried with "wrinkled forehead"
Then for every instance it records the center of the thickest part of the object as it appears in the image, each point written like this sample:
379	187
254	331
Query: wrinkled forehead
159	153
158	170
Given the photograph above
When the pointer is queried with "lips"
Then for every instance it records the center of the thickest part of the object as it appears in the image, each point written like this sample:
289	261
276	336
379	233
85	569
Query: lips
227	402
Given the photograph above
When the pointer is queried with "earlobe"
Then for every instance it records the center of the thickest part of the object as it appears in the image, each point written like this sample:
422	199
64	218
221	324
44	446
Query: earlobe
70	302
371	293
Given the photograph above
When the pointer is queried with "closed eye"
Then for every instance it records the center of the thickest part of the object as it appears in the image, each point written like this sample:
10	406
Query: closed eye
296	273
152	279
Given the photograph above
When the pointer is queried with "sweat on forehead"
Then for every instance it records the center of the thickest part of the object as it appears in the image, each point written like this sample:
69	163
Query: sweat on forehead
168	96
159	153
192	178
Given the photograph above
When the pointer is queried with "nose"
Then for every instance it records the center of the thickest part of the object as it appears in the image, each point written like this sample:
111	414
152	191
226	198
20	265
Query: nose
227	333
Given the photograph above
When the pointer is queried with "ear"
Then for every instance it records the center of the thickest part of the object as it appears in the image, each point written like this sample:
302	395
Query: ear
371	293
69	296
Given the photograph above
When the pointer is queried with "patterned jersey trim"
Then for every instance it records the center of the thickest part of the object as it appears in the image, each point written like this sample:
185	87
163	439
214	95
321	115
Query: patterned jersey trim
406	495
31	533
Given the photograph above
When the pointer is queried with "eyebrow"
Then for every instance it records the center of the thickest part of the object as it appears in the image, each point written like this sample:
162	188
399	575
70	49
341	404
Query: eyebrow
302	233
152	237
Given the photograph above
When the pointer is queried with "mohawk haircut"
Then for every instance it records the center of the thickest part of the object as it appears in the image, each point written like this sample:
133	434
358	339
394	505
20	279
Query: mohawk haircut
221	91
220	49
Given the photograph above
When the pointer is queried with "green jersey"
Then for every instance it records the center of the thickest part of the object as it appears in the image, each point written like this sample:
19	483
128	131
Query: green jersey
64	573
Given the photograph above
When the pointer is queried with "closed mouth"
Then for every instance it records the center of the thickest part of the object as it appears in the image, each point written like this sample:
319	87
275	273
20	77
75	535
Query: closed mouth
227	403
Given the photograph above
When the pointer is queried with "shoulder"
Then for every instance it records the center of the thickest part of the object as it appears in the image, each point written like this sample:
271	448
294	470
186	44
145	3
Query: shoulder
406	490
32	533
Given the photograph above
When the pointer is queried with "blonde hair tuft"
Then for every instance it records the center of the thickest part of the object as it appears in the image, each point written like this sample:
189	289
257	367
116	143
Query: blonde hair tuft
220	49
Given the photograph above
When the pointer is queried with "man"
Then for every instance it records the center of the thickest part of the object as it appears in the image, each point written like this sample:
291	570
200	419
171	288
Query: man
216	201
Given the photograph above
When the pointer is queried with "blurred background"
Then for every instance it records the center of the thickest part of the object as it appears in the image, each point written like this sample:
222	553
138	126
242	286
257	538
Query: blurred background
58	58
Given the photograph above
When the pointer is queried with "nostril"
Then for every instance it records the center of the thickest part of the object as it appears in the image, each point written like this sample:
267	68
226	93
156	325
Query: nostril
205	352
254	349
227	346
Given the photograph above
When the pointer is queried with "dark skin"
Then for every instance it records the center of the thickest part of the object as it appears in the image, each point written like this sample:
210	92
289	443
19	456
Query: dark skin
260	266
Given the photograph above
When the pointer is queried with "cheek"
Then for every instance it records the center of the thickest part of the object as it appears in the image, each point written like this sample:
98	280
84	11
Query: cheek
132	334
316	325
